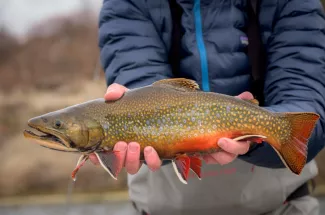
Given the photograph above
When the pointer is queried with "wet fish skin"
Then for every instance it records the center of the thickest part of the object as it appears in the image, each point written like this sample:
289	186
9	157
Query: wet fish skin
181	122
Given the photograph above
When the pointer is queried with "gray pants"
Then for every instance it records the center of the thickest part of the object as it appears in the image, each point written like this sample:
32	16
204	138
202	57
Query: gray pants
242	192
306	205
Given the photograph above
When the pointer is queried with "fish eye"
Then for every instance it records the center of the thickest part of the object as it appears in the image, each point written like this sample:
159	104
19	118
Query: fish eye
57	124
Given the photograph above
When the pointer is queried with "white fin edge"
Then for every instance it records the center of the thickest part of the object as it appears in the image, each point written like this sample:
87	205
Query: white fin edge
101	163
82	158
248	136
178	173
196	174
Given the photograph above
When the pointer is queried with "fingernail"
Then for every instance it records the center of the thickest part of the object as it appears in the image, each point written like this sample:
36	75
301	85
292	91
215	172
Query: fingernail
133	147
148	150
121	146
110	90
222	142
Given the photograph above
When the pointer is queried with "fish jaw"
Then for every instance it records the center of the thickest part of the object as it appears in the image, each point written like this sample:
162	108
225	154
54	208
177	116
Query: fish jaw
48	138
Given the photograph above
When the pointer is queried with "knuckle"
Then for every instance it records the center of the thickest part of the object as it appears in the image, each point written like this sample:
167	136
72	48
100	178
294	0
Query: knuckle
131	167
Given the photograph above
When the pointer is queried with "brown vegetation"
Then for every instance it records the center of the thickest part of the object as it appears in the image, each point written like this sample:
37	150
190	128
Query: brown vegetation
48	72
49	61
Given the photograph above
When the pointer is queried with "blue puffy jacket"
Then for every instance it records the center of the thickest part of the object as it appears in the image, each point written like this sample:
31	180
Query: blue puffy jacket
135	40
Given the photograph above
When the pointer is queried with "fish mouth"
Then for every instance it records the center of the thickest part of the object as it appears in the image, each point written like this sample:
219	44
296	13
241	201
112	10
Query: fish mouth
49	139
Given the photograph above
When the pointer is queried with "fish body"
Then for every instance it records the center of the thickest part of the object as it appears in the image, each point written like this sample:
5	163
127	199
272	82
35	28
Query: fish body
178	120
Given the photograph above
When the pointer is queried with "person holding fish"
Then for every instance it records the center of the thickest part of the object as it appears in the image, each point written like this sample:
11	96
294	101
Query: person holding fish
182	79
136	38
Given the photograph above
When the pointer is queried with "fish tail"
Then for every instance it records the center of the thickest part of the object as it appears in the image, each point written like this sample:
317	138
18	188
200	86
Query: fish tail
293	150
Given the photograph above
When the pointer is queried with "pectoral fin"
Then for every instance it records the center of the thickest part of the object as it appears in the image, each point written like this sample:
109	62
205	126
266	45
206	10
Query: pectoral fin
81	161
111	162
181	166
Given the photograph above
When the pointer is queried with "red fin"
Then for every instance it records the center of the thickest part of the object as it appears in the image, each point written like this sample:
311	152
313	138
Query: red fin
181	166
195	165
293	151
111	162
82	160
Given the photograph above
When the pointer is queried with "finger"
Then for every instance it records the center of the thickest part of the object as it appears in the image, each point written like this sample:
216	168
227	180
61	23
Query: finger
234	147
132	161
121	147
152	158
209	159
246	96
114	91
223	157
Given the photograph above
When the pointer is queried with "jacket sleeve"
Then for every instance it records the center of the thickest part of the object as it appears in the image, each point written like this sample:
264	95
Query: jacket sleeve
132	51
295	77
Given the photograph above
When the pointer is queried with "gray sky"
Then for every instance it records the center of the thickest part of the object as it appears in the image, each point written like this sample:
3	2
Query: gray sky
19	15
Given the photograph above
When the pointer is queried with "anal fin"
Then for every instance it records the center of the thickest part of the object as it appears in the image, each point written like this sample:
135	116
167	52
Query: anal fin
111	162
181	166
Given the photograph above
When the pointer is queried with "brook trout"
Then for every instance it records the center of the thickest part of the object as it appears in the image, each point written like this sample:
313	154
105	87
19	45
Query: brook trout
178	120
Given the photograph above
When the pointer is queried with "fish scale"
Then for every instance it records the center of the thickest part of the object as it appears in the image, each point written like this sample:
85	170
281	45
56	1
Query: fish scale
178	120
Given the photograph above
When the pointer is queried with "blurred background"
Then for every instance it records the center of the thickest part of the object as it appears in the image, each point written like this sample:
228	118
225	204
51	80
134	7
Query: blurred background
49	59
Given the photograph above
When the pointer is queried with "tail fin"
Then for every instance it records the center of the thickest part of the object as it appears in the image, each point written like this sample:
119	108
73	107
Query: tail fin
293	151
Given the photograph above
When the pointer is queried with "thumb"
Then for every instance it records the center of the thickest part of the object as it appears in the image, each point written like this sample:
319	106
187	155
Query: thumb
245	96
114	92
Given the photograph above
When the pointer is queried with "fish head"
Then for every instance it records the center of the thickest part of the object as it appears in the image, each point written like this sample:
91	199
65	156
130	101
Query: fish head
66	131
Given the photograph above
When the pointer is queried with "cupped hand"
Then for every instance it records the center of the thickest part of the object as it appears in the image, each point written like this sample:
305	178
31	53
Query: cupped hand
231	148
129	152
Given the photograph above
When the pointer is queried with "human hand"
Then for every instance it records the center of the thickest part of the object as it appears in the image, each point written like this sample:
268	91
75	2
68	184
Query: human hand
129	152
231	148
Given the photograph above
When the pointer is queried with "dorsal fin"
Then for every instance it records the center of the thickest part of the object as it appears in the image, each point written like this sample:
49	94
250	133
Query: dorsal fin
182	84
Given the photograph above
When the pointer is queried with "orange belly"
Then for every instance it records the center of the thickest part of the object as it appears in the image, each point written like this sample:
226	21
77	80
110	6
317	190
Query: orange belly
205	143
